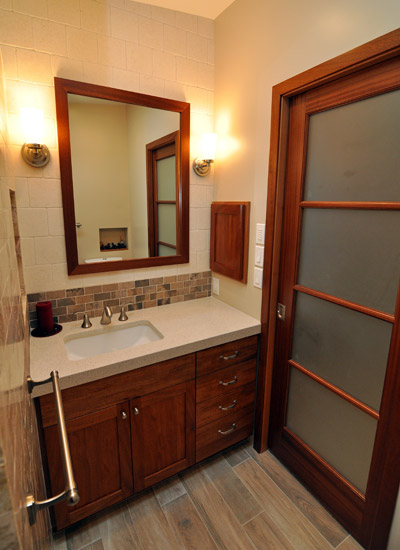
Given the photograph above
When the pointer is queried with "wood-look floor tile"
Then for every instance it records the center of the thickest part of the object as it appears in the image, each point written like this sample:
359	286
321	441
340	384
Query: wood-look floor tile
219	519
308	505
237	455
98	545
116	529
151	525
168	490
349	544
265	534
187	524
236	495
82	534
300	532
59	541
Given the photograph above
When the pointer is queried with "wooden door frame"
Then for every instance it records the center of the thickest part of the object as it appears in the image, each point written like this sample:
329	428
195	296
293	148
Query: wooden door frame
371	53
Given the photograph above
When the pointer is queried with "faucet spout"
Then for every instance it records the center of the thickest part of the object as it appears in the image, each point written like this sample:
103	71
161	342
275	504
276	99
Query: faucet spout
106	317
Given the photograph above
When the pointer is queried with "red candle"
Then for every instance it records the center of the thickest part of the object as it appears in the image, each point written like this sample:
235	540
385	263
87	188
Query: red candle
44	313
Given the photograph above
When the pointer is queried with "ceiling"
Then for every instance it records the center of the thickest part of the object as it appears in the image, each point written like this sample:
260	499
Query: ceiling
205	8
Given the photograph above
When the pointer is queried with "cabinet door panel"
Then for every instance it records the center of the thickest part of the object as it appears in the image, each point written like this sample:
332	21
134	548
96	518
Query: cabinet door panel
101	459
163	436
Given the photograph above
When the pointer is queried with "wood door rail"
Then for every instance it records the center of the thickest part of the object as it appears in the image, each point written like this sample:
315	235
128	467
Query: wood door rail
352	205
346	396
345	303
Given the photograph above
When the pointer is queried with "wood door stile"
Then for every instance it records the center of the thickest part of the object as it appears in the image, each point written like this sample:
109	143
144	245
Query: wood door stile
163	434
120	387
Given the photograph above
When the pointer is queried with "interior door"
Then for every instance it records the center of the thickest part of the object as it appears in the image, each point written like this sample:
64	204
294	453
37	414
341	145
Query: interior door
333	413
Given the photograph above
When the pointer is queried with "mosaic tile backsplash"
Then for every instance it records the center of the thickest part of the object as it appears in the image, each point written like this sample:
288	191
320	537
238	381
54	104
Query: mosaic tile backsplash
71	304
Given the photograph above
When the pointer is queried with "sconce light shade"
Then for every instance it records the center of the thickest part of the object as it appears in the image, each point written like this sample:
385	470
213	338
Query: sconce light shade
33	151
201	165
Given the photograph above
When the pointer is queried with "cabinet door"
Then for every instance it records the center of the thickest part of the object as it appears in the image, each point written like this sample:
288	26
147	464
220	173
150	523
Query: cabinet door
163	437
101	459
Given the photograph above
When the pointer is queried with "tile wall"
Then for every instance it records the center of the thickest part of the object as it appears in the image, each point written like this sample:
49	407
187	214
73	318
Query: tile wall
117	43
20	466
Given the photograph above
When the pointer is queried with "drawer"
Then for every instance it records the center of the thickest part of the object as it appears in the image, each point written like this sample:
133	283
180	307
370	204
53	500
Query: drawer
222	382
221	407
212	359
210	440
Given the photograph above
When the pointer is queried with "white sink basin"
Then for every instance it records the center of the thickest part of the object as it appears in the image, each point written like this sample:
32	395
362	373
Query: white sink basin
110	338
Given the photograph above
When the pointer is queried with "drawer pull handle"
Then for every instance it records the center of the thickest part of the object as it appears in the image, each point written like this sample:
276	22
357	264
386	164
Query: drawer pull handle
228	383
230	406
229	357
228	431
124	416
136	410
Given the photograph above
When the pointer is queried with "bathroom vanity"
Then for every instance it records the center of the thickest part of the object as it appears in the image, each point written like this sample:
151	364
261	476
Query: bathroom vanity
139	415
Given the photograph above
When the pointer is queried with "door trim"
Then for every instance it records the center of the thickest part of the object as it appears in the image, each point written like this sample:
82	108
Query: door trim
371	53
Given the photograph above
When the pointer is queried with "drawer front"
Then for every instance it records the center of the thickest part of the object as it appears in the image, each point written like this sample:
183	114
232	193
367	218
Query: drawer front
222	382
221	407
218	435
219	357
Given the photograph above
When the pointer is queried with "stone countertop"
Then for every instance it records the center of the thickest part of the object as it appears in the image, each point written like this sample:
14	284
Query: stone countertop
186	327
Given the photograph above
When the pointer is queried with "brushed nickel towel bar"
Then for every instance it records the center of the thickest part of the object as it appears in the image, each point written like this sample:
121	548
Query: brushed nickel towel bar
70	492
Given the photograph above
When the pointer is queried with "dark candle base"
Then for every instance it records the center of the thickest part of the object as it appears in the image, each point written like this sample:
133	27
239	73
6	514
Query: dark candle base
40	333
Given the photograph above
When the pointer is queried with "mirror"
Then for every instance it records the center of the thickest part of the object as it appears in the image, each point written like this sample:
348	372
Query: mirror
124	162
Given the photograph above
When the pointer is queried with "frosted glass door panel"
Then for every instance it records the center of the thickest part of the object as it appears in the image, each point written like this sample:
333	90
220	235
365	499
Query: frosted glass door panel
352	254
167	223
166	180
353	152
345	347
339	432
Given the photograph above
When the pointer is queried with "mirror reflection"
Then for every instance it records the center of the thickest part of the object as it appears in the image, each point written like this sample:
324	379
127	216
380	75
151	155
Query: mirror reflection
125	172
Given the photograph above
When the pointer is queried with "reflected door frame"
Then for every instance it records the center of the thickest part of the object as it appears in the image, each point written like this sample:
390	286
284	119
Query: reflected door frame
375	532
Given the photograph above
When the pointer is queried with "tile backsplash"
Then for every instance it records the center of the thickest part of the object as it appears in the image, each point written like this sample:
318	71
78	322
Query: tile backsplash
71	304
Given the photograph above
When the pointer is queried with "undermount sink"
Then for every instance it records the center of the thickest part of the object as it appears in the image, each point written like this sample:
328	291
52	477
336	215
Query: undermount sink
110	338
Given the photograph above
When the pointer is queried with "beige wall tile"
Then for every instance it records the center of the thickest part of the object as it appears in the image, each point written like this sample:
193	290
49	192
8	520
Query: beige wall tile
193	218
210	52
38	277
45	192
126	80
175	40
63	67
139	58
198	196
38	8
6	4
22	192
95	17
19	167
49	37
82	44
97	74
203	218
34	67
21	94
197	47
138	7
28	251
52	170
203	260
186	21
151	85
64	12
206	76
124	25
16	29
175	90
205	27
187	71
151	33
112	52
163	15
9	55
33	222
50	250
164	65
55	220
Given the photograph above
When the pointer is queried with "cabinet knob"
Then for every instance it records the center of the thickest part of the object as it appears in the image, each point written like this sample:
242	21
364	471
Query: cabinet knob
124	415
135	410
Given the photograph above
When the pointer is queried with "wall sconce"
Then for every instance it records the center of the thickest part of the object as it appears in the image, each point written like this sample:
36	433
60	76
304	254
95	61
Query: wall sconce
33	151
202	165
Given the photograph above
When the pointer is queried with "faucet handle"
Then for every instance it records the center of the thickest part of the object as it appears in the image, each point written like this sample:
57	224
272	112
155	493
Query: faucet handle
86	321
123	316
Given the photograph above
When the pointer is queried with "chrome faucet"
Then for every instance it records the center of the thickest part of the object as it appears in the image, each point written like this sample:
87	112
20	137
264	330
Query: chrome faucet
106	317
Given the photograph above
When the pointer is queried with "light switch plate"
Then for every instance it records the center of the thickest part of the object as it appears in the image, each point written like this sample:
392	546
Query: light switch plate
258	276
260	233
215	285
259	256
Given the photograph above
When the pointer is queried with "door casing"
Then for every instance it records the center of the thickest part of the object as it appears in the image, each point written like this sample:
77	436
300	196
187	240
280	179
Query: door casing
369	54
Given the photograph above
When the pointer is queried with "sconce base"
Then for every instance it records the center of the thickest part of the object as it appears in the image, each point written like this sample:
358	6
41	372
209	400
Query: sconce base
201	167
35	154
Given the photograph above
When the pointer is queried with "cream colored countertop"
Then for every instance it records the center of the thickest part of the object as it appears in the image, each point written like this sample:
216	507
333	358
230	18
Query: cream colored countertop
186	327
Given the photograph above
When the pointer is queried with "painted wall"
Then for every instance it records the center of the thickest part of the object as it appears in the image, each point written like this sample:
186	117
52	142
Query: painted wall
259	44
123	44
20	465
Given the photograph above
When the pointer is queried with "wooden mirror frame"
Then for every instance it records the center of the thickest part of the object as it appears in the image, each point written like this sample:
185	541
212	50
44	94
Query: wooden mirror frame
62	88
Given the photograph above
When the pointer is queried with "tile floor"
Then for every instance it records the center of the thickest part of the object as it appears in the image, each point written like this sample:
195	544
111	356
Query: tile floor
237	500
